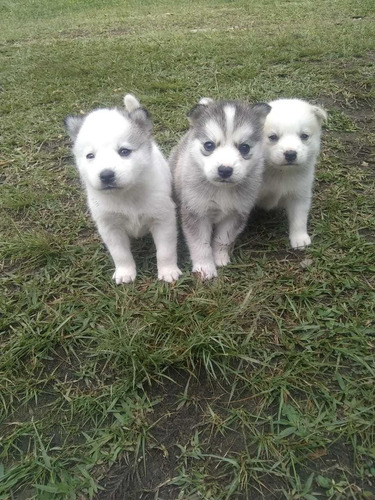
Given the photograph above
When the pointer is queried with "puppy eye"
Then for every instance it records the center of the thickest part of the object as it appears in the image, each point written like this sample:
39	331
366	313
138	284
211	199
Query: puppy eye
209	146
244	149
124	151
304	137
273	137
90	156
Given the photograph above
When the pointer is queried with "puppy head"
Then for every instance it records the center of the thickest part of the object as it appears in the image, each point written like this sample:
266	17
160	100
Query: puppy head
226	139
292	133
112	147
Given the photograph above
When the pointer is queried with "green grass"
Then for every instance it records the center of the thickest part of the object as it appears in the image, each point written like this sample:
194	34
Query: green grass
257	385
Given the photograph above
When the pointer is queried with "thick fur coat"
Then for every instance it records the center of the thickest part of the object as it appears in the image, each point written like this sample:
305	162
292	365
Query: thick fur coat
128	185
292	134
217	169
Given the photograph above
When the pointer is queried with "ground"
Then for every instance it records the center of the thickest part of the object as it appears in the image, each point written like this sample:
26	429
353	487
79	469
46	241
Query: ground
259	384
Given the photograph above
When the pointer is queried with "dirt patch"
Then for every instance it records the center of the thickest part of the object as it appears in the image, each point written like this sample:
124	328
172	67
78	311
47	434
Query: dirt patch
174	427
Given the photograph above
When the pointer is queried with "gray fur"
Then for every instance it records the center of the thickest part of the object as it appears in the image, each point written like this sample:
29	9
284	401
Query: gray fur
73	125
214	213
141	131
201	113
141	117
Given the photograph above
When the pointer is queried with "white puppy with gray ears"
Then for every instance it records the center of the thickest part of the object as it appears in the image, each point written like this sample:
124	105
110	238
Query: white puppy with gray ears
291	146
128	185
217	169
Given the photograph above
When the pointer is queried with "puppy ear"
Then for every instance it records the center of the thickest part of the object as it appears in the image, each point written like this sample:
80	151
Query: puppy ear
136	113
261	110
141	117
205	101
198	109
131	103
73	125
320	113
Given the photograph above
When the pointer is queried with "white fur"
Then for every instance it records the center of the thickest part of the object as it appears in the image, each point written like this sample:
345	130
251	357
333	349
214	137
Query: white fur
141	198
205	100
131	102
289	185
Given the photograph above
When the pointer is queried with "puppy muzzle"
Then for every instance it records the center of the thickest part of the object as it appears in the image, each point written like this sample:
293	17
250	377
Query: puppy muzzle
108	179
290	156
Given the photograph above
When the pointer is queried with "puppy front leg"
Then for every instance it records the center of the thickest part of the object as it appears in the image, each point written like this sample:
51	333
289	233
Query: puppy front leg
298	211
118	244
165	238
226	231
198	232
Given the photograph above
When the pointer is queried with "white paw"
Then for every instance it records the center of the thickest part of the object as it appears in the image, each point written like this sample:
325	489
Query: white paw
300	240
206	271
124	275
169	273
221	258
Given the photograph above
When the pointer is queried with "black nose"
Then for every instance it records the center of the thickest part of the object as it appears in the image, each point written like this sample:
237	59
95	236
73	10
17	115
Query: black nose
290	155
107	176
225	172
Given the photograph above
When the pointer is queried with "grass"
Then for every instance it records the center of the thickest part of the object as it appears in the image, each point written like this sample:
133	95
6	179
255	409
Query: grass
257	385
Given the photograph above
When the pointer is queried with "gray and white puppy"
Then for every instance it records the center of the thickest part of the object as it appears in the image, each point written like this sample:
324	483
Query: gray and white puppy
217	169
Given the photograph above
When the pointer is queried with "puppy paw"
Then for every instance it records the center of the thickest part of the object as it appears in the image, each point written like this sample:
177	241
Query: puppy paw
206	271
124	275
300	240
221	258
169	273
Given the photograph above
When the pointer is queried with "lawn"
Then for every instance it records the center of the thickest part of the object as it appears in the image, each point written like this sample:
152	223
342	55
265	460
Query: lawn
259	384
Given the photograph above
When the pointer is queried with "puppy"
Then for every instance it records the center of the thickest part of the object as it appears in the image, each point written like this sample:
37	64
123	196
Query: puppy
217	168
128	185
291	146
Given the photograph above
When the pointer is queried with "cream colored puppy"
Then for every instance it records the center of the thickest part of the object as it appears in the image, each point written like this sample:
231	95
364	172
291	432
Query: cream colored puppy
292	134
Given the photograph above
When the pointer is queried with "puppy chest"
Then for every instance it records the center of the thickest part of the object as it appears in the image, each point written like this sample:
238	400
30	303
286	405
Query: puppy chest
133	225
214	213
137	226
223	203
283	184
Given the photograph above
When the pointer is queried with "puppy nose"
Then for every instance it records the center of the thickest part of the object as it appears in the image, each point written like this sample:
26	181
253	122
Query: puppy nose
225	172
107	176
290	155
